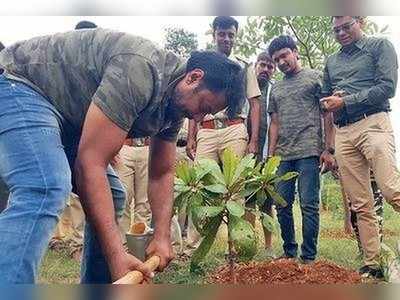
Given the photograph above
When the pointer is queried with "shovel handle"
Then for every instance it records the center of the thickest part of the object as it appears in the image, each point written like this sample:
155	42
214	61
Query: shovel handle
136	277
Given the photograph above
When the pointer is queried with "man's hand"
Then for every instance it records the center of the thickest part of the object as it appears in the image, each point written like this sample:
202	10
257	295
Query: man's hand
252	147
348	228
163	249
125	263
328	160
191	148
332	103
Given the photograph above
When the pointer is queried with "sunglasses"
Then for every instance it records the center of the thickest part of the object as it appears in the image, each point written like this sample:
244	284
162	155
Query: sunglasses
345	27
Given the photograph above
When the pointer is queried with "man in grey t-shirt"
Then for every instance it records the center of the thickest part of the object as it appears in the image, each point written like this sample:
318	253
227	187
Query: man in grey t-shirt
295	134
94	88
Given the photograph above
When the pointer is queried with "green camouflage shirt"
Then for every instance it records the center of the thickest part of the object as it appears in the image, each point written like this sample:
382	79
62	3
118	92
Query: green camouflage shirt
296	101
126	76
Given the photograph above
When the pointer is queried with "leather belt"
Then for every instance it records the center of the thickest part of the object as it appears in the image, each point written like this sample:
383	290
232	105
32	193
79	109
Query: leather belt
137	142
219	124
357	118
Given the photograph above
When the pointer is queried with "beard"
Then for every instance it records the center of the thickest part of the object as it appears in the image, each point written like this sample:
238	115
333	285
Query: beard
262	81
175	109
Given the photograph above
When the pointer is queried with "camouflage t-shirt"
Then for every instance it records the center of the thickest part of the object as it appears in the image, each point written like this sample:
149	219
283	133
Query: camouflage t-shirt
126	76
296	101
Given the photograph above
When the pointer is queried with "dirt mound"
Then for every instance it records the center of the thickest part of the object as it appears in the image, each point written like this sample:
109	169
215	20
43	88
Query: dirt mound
286	271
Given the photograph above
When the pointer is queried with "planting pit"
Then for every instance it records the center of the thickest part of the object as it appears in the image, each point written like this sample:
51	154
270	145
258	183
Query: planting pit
286	271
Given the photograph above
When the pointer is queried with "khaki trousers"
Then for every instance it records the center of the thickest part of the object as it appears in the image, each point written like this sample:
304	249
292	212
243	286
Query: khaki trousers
133	173
366	144
71	225
211	144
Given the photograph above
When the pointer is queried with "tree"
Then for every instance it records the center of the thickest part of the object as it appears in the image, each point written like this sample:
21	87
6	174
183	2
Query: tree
210	193
313	34
180	41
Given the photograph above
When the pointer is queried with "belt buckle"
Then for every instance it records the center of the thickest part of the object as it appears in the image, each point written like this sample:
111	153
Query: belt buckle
219	124
139	142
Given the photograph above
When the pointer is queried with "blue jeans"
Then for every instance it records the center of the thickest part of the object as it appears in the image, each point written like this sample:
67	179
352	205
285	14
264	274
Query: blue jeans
308	187
35	164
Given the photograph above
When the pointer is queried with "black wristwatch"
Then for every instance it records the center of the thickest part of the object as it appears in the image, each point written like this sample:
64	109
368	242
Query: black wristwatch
330	150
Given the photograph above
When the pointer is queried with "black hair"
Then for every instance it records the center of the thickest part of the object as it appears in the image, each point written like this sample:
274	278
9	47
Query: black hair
220	75
85	25
359	18
281	42
1	46
265	56
224	22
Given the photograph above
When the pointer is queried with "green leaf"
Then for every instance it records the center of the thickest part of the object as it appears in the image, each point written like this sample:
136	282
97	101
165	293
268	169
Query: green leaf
181	188
202	170
245	163
180	202
235	208
250	189
216	188
215	169
201	216
278	199
182	172
178	181
200	253
286	177
243	237
261	196
229	163
195	200
269	223
272	165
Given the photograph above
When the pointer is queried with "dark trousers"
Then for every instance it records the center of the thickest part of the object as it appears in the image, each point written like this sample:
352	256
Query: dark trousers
308	185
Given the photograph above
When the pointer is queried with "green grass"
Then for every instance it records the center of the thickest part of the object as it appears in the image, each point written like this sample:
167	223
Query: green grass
58	268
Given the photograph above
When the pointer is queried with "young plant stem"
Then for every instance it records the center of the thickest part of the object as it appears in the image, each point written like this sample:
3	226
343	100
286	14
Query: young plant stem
231	259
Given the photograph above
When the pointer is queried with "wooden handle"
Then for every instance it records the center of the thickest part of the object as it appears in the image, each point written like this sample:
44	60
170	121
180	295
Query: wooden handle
136	277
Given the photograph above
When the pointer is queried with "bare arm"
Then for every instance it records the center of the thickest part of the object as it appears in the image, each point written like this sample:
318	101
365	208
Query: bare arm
273	134
327	157
94	154
160	191
254	124
329	130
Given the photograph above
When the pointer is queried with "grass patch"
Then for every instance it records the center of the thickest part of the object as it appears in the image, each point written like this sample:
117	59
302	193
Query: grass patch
58	268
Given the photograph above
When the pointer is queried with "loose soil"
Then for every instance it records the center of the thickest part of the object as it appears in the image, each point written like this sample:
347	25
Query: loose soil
284	271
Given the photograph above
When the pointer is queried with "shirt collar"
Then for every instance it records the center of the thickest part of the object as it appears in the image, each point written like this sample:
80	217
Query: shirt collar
357	44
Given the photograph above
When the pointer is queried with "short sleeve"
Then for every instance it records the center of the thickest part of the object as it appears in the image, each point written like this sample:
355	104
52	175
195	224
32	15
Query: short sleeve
125	89
326	88
252	88
171	133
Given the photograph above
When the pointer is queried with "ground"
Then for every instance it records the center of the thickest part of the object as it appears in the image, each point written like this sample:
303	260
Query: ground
333	246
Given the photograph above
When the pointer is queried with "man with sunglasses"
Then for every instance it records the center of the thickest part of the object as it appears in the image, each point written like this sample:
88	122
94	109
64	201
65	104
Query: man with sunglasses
359	80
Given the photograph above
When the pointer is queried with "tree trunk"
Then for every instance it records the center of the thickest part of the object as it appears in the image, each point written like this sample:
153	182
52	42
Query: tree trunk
231	259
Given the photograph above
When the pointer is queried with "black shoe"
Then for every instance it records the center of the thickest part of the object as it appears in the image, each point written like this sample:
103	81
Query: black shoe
368	272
